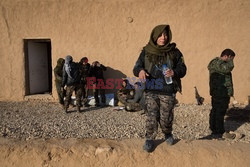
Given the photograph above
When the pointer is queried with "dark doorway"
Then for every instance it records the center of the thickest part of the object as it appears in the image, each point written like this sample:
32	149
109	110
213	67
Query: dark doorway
38	69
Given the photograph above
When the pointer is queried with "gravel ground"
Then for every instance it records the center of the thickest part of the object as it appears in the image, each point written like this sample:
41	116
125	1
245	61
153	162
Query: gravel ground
40	119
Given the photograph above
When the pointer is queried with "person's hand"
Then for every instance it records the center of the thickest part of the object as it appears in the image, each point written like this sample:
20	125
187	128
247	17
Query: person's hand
169	73
231	57
143	75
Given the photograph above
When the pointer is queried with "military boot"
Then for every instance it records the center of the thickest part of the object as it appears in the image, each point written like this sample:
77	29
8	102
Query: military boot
169	139
148	146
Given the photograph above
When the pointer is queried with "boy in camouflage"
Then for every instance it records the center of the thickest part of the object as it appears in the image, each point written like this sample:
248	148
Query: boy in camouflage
221	89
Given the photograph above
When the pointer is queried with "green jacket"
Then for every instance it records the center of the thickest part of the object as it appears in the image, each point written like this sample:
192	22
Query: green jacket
58	70
220	77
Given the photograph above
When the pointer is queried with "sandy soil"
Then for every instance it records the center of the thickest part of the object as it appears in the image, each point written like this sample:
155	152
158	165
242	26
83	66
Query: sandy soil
76	150
101	152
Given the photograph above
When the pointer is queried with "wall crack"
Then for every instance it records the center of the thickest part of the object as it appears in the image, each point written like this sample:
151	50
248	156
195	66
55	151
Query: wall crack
6	23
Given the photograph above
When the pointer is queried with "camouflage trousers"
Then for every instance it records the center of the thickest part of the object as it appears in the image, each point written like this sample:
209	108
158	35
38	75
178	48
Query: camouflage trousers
133	107
159	110
78	93
60	93
85	93
129	106
217	114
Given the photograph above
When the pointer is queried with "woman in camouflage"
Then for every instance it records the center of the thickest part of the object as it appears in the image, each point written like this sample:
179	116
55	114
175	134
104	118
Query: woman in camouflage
160	96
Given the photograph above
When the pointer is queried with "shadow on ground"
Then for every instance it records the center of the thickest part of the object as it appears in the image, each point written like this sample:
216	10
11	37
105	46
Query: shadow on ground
237	116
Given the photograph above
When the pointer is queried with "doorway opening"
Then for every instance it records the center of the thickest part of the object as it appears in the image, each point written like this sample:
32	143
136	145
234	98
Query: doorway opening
38	68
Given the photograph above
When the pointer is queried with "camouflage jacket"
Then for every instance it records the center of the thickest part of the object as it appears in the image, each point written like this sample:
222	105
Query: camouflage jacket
220	77
58	70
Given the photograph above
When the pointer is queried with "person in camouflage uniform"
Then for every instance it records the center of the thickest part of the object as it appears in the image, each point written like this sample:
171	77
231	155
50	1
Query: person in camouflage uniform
125	92
160	96
137	103
131	97
71	78
221	89
58	72
85	72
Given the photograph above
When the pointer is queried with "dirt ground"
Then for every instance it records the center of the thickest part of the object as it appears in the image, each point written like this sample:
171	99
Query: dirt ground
190	125
101	152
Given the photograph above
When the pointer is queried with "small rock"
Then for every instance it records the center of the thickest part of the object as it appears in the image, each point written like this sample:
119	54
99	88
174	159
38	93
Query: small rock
238	135
105	149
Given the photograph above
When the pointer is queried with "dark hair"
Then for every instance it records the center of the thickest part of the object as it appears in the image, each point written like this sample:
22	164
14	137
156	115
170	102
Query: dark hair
84	59
95	63
227	52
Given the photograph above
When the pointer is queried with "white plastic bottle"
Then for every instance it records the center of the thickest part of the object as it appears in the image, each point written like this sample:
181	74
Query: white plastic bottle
168	80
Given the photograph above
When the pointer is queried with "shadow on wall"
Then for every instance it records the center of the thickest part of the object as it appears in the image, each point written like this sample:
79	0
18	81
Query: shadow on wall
111	73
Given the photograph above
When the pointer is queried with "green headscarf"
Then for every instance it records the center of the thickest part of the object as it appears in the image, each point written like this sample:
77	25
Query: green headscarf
60	62
152	46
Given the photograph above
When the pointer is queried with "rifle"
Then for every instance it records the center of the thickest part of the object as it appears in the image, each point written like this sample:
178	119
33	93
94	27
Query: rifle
199	99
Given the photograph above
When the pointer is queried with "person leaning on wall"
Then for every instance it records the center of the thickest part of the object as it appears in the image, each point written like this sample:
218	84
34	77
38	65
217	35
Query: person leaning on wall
160	96
58	72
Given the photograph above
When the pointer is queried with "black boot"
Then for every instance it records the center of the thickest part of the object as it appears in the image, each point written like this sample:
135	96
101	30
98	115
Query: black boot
169	139
149	145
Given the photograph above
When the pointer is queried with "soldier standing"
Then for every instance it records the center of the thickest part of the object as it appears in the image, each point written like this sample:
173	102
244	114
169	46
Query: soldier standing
71	78
58	72
96	70
159	95
85	72
221	89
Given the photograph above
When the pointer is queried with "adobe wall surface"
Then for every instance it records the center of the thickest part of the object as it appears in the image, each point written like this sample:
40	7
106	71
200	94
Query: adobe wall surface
115	31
